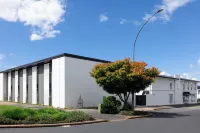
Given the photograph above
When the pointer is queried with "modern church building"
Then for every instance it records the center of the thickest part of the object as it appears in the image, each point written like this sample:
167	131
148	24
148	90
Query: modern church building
60	81
65	81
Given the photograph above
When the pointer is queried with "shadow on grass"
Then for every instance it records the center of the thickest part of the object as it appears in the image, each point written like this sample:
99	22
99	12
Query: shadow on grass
167	115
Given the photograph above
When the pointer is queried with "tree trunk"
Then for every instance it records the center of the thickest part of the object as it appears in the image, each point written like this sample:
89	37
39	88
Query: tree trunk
133	100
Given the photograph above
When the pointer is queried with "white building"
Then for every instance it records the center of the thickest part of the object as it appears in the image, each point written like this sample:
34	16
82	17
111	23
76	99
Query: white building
169	90
64	81
60	81
198	92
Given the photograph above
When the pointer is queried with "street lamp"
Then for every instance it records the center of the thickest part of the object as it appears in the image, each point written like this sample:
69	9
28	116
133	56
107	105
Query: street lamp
136	42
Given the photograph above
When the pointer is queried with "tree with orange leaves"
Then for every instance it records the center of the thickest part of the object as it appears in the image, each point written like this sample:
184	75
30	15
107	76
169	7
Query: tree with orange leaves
123	77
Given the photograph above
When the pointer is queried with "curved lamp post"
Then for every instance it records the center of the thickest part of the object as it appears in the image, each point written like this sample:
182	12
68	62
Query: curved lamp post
136	42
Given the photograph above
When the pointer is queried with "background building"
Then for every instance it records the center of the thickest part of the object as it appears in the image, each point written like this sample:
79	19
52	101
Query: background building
198	92
169	90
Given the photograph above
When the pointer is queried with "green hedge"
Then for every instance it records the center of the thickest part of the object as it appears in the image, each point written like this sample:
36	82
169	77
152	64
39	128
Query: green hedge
110	105
41	116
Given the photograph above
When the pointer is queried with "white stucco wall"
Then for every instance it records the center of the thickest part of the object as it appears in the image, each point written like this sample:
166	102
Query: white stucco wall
46	84
24	85
79	82
16	86
58	82
9	86
2	86
161	91
198	93
34	85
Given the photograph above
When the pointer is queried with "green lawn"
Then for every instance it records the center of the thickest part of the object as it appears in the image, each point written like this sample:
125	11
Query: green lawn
20	115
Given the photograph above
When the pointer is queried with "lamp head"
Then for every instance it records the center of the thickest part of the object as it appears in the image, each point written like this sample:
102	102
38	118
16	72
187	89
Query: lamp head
160	10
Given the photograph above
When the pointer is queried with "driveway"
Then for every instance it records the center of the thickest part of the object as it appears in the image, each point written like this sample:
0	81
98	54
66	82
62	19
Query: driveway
178	120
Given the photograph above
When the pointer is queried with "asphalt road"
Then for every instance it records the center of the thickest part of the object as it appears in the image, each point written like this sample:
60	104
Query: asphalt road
180	120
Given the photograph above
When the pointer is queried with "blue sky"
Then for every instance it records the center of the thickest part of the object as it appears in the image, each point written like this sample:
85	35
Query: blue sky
102	29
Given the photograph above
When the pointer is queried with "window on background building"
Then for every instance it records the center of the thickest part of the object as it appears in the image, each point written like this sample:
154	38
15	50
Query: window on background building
177	85
170	98
183	85
191	86
198	91
188	86
170	84
193	97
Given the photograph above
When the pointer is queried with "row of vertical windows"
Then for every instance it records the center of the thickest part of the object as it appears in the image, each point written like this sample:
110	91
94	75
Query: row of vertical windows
29	73
192	86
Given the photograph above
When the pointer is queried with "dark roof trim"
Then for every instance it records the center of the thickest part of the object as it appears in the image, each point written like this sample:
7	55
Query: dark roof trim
47	60
169	77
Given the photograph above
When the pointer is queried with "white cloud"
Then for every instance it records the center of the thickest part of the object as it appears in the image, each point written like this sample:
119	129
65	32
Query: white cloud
169	6
103	17
191	66
124	21
165	74
2	56
147	16
41	15
36	37
198	61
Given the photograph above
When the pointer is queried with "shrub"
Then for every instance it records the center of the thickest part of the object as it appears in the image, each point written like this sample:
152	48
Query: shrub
42	116
48	111
18	113
110	105
127	107
7	121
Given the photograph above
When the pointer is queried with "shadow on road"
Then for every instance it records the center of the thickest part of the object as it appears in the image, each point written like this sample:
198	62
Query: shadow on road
167	115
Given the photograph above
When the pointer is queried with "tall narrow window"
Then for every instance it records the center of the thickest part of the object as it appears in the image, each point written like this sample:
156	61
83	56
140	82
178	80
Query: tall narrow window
170	84
191	85
37	93
188	86
183	85
177	85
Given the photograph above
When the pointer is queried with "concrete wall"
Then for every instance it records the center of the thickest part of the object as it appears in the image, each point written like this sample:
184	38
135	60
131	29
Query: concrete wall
16	91
25	86
3	86
198	93
80	83
59	82
160	91
34	85
46	83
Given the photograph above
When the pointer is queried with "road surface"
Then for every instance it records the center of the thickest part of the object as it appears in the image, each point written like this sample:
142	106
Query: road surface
179	120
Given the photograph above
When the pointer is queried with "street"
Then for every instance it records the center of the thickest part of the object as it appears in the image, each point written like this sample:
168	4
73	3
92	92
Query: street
178	120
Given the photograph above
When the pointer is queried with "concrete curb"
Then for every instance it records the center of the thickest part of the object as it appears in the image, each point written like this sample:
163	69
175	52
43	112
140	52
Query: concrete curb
162	108
52	125
131	117
135	117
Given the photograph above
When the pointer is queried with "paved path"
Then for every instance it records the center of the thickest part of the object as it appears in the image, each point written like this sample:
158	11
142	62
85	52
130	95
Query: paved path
179	120
97	115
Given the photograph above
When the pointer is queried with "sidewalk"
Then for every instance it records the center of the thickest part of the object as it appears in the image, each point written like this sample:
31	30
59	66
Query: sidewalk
151	108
